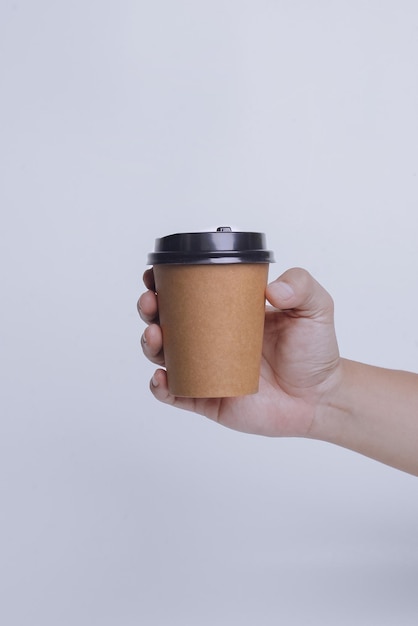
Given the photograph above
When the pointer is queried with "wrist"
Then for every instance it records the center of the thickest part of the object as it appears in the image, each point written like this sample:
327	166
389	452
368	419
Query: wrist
372	411
333	407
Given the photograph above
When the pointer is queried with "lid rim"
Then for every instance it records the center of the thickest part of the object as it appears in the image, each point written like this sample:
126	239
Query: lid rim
221	246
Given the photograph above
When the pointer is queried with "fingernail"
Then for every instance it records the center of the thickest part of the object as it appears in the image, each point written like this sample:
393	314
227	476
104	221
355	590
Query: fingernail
143	339
282	290
154	381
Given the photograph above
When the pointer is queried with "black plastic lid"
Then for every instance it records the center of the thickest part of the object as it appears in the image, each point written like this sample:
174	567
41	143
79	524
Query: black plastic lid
220	246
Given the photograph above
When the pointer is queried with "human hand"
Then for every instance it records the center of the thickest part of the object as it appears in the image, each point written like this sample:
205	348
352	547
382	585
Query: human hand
300	360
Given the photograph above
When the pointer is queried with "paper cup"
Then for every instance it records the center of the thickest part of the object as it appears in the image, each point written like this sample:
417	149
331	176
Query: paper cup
211	299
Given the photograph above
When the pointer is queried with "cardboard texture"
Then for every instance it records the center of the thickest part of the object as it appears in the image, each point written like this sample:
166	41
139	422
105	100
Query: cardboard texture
212	320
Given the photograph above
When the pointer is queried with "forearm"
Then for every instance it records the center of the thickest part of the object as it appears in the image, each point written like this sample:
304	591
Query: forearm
373	411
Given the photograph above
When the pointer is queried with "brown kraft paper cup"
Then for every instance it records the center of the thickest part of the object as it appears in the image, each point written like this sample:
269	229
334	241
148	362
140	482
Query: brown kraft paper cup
212	321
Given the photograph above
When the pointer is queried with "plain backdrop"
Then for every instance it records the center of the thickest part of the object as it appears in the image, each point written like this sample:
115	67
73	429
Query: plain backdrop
124	121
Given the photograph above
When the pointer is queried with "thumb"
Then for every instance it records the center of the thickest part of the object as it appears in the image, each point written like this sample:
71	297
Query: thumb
296	289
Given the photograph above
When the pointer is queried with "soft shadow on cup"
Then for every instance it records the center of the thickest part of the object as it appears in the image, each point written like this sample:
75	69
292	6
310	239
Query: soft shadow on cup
211	297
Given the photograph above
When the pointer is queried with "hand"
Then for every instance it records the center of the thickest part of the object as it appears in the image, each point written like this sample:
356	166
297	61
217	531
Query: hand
299	365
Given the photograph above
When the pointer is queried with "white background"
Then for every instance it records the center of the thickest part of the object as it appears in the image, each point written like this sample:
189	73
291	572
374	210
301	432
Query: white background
124	121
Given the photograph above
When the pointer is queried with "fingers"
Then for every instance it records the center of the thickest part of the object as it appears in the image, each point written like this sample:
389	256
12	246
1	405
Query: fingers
203	406
152	344
296	289
148	307
148	278
159	389
147	304
151	340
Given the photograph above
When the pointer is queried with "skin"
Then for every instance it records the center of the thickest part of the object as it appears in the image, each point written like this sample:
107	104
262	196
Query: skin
306	389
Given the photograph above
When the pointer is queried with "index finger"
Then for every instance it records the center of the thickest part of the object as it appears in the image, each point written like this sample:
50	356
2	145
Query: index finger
148	279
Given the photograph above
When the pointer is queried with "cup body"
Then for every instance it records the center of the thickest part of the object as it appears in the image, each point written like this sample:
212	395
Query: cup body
212	321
